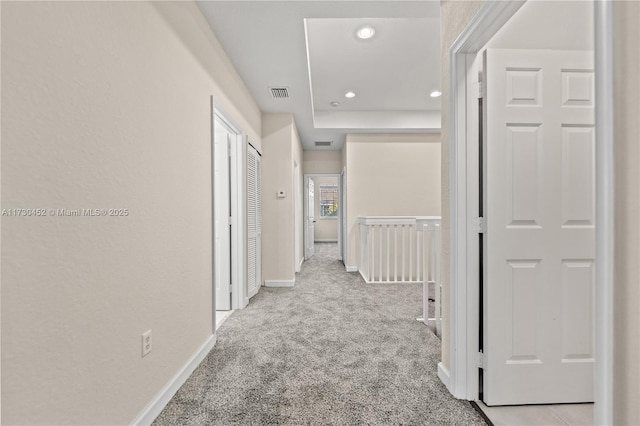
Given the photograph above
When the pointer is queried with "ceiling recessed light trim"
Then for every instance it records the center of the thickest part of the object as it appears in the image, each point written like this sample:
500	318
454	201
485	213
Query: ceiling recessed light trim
335	104
436	94
366	32
350	95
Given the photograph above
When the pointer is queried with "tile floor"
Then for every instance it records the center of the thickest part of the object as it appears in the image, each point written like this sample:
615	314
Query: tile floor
547	415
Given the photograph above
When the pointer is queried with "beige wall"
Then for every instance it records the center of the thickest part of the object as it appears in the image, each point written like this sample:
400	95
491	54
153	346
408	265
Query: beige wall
322	162
454	17
326	229
627	196
544	24
106	105
390	175
281	150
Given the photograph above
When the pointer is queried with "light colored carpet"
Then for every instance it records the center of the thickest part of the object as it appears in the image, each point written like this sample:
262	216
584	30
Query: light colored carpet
332	350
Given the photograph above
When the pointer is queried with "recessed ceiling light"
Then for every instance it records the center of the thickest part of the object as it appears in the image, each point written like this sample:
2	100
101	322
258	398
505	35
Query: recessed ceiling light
436	93
365	32
335	104
349	95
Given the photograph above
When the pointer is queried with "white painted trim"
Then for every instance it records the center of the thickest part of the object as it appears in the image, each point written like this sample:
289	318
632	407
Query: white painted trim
326	241
238	206
341	209
482	27
491	17
351	268
605	208
157	404
300	265
279	283
443	375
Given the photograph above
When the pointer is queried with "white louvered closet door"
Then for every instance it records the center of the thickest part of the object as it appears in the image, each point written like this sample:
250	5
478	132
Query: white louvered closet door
254	222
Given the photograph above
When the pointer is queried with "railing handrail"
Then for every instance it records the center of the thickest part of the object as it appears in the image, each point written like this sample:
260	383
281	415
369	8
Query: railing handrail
396	220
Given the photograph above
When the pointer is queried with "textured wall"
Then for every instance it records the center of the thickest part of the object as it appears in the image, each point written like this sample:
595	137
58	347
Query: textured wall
106	105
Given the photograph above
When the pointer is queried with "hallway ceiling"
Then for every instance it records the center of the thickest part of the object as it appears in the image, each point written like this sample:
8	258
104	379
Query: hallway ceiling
311	48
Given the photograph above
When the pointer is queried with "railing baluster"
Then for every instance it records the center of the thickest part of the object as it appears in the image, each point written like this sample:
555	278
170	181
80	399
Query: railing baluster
425	250
380	253
395	252
437	277
372	265
402	259
418	258
410	253
388	254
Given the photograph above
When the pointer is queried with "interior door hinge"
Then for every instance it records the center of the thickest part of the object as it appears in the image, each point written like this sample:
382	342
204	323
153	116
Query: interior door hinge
482	360
480	224
481	90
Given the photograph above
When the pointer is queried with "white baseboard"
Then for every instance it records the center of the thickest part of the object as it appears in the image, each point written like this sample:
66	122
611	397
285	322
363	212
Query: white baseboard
325	241
279	283
443	375
157	404
351	268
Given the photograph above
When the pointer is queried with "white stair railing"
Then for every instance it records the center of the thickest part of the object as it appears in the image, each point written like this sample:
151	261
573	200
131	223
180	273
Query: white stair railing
403	249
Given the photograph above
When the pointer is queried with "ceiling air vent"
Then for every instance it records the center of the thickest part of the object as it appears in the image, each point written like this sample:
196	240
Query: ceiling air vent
279	92
324	143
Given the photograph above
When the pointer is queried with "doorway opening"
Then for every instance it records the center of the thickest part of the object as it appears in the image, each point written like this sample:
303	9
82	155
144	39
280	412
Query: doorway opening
461	378
229	243
323	213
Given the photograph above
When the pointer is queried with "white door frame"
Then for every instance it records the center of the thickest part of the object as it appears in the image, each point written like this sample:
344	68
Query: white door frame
343	216
340	207
238	201
461	378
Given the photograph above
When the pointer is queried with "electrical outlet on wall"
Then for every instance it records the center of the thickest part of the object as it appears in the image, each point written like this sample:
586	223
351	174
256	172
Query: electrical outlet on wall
147	343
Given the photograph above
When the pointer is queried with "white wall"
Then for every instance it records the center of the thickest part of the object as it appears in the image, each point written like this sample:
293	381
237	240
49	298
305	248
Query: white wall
326	229
281	150
390	175
107	105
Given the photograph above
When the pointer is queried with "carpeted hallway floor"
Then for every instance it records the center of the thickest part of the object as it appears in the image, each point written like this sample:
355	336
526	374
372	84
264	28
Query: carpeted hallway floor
331	350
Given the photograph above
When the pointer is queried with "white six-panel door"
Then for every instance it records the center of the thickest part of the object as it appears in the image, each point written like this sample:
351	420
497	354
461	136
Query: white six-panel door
539	246
222	214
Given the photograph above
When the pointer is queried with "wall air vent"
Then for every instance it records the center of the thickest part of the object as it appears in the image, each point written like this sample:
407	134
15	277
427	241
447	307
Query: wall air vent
324	143
279	92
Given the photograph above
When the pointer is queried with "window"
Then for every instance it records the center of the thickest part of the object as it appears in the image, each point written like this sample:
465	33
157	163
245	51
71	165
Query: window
328	200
